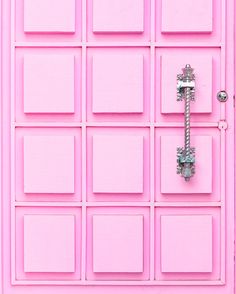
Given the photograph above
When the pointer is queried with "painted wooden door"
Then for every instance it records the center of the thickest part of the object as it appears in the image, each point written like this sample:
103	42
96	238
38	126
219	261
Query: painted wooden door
90	122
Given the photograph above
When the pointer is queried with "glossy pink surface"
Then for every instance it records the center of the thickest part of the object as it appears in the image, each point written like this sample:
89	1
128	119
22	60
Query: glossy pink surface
91	202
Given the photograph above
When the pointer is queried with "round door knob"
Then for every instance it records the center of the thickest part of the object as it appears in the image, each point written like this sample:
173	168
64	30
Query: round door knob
222	96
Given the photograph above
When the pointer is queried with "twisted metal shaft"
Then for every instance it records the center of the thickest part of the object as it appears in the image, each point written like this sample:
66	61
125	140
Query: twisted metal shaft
187	121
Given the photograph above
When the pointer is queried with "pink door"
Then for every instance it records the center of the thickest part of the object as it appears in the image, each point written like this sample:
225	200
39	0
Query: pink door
112	176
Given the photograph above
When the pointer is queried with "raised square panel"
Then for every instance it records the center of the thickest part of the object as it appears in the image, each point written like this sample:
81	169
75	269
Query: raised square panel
171	65
118	83
118	243
118	15
49	83
173	183
186	16
49	243
49	164
49	16
117	164
186	243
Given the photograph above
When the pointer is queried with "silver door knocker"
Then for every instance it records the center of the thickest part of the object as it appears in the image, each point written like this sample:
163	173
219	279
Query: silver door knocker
186	92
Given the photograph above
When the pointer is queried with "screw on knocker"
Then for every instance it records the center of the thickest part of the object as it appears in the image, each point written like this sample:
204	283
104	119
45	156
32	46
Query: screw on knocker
186	92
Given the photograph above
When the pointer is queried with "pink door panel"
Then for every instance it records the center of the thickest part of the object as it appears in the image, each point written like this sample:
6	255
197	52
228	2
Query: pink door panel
189	22
118	20
207	65
53	93
121	16
126	154
42	155
198	16
92	201
53	155
48	244
198	228
46	259
118	164
40	21
128	67
60	17
118	84
110	231
205	185
190	244
49	71
200	183
203	65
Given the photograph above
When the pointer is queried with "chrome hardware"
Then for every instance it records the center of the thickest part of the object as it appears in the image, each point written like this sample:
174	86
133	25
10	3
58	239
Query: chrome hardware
186	92
222	96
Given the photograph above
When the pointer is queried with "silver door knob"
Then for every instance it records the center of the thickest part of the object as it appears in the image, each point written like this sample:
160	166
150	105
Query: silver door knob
186	92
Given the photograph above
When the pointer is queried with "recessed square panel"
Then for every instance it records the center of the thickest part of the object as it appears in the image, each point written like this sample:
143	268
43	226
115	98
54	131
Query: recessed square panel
49	83
186	16
186	243
118	243
118	15
117	83
49	243
117	164
49	164
49	16
171	65
173	183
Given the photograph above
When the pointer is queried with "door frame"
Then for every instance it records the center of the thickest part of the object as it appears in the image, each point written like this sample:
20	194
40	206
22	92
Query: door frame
226	158
1	216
